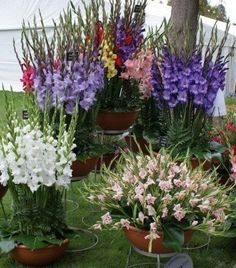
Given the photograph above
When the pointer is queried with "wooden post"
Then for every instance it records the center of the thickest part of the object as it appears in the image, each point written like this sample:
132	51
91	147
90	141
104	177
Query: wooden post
184	26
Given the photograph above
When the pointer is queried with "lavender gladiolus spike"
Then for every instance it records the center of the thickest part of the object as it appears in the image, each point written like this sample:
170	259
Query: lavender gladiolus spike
79	82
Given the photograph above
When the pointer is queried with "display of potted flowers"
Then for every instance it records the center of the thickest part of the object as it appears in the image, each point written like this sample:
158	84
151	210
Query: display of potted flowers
185	90
35	163
123	36
67	69
158	202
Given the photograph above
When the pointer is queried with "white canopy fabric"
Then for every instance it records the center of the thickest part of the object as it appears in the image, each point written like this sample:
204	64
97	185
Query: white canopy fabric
13	12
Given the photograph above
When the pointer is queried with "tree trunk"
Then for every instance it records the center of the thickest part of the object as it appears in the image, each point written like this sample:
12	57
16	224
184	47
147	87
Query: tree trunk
184	26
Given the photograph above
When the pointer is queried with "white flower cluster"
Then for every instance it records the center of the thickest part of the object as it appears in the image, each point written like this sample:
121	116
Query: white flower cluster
30	157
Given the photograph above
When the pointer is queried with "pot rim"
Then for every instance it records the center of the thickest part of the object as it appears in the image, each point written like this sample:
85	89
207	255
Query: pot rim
89	158
65	241
131	227
121	112
201	160
147	231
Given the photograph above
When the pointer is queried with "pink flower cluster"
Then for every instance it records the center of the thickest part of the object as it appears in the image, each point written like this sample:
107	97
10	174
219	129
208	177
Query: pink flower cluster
139	69
155	189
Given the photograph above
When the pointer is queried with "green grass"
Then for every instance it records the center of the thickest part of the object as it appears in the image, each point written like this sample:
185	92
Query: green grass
112	249
18	98
231	104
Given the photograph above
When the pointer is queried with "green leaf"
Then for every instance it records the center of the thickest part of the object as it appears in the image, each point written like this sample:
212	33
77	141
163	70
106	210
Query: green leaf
50	240
151	136
135	211
7	245
229	233
30	241
173	237
217	147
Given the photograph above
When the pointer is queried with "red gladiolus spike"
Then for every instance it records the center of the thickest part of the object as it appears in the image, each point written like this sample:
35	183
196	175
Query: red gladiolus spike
233	148
128	38
56	64
118	61
230	127
99	33
27	78
217	139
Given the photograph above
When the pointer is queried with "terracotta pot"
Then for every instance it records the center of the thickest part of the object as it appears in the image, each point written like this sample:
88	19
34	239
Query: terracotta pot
38	257
80	168
132	144
3	190
115	121
137	239
107	159
196	163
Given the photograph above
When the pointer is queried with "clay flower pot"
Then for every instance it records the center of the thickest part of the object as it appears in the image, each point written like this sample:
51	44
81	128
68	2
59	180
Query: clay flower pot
137	239
116	121
38	257
196	163
80	169
132	144
107	159
3	190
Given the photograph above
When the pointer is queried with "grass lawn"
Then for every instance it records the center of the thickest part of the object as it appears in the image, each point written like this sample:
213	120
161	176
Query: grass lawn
231	104
112	249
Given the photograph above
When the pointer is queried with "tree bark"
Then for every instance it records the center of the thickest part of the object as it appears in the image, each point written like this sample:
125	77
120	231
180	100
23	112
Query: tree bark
184	26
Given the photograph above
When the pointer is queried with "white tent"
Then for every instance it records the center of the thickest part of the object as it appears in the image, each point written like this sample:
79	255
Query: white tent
12	13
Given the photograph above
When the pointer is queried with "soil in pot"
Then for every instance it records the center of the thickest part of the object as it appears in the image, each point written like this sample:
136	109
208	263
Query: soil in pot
39	257
137	239
116	121
80	168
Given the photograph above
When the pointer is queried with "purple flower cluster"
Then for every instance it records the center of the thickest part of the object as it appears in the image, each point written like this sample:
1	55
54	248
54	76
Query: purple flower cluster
215	75
177	82
127	40
80	81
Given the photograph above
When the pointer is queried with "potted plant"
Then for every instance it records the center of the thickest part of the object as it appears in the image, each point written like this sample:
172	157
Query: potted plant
185	90
67	69
225	137
158	202
148	126
123	36
35	164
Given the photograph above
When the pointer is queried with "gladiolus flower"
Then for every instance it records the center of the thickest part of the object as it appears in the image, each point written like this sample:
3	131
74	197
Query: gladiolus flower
28	77
106	218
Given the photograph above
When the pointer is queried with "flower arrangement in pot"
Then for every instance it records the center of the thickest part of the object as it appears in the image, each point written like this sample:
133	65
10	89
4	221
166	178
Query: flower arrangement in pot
67	69
35	164
148	125
123	36
224	137
185	90
158	202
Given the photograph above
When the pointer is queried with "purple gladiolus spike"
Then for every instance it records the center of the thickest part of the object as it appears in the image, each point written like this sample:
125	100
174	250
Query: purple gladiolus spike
177	82
79	82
